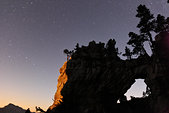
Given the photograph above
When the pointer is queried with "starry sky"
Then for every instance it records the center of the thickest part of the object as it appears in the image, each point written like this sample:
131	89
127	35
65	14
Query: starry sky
34	33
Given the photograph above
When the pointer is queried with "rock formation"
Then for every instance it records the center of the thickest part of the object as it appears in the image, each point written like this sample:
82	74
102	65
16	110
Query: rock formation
95	78
61	82
158	75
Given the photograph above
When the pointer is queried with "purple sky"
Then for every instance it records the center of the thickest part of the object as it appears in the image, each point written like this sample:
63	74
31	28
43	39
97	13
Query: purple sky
34	33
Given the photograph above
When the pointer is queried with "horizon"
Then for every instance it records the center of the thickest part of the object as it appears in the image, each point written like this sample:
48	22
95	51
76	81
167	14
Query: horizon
34	34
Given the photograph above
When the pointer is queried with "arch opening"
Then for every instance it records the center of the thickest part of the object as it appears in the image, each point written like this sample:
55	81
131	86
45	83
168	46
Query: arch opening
138	89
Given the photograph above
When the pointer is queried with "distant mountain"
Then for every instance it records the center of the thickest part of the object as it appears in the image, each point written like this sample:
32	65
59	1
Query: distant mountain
11	108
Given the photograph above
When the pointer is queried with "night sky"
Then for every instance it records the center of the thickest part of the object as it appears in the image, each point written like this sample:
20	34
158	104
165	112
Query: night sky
34	33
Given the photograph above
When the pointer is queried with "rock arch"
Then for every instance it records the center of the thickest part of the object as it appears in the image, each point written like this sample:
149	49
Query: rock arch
97	79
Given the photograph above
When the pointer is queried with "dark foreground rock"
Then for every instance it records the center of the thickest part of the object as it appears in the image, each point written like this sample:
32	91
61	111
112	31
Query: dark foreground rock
97	78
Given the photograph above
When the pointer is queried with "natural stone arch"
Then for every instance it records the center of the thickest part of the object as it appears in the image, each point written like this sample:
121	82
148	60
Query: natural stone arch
96	80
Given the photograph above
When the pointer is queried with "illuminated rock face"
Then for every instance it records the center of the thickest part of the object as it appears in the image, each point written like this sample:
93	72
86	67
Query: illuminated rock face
61	82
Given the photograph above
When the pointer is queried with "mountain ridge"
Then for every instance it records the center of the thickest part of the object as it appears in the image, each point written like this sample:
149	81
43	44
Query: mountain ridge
11	108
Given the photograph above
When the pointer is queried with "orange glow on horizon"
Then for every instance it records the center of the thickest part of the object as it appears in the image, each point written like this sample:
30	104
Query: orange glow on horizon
24	103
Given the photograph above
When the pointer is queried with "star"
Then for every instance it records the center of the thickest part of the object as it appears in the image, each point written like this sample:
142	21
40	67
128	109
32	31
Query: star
54	22
26	58
31	3
23	7
93	22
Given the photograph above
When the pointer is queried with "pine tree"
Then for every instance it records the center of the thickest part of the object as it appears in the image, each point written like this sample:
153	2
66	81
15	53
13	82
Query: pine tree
148	24
127	53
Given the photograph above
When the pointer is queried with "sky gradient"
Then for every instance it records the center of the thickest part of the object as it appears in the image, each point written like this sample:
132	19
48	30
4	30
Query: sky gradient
34	33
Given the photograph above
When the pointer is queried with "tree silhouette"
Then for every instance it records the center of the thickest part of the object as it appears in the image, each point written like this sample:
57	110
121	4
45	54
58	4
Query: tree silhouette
77	46
111	49
127	53
68	53
145	25
137	41
27	111
39	109
148	24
